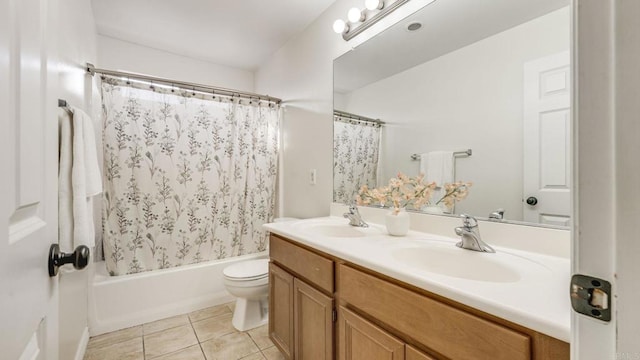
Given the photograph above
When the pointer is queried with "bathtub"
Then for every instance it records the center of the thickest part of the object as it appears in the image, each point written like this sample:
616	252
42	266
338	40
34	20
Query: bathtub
118	302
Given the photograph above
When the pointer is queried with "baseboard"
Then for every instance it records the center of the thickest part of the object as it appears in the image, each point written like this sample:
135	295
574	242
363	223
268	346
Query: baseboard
82	344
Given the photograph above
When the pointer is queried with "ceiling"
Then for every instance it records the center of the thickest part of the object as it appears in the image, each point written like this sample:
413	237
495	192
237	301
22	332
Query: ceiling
447	25
241	34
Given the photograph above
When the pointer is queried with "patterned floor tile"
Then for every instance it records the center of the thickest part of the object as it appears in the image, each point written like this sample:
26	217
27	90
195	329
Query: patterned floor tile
213	327
168	323
209	312
261	337
115	337
229	347
168	341
191	353
272	353
125	350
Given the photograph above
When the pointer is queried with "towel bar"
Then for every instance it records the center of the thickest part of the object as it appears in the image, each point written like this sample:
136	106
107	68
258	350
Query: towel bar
463	153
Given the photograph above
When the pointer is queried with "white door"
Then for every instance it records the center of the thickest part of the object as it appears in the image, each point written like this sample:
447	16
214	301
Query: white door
28	185
547	140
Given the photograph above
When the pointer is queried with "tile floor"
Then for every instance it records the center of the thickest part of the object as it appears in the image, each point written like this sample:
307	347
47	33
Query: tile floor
205	334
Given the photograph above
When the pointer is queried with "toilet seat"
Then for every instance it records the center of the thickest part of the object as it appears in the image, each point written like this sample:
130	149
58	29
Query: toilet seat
247	270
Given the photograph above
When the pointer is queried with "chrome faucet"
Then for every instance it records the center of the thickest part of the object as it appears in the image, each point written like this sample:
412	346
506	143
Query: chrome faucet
470	235
354	217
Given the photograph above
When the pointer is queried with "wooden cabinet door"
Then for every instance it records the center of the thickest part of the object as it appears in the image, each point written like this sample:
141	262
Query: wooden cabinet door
413	354
313	323
281	310
359	339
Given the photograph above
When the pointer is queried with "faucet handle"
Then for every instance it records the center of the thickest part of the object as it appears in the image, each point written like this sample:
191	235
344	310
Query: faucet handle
468	220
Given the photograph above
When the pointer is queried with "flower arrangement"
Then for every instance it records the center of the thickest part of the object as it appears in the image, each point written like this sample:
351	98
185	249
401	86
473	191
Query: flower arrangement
453	192
404	191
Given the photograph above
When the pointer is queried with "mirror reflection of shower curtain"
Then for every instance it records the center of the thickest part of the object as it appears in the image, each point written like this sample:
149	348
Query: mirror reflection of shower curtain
356	152
187	179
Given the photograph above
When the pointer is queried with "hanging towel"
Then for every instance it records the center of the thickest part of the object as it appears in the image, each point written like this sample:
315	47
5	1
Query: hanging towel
437	166
78	181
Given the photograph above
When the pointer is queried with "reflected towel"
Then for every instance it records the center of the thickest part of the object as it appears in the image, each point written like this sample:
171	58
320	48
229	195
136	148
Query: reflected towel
437	166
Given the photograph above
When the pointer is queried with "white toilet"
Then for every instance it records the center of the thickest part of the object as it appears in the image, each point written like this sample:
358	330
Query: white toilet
249	282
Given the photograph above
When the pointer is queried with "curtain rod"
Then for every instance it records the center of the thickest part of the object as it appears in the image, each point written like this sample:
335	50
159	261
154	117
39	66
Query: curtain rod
356	117
92	70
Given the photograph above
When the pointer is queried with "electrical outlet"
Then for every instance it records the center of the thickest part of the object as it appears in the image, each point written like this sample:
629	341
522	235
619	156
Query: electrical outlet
312	176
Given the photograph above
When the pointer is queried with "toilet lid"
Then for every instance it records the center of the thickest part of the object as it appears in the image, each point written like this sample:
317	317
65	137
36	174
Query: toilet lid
249	270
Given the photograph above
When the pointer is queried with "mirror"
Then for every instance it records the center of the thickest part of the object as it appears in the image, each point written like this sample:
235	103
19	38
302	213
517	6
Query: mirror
463	90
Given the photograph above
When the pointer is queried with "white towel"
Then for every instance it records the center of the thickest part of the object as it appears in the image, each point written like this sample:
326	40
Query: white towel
437	166
78	181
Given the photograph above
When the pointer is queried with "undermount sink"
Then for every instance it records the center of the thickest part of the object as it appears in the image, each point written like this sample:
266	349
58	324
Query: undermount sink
449	260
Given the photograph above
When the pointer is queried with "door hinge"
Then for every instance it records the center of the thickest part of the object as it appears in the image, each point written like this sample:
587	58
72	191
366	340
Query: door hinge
334	315
591	296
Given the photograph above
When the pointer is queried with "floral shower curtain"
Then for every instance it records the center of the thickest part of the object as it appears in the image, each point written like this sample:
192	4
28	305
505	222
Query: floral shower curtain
187	179
356	148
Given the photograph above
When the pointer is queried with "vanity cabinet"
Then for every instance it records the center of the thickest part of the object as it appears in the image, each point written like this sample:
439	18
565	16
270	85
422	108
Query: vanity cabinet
379	317
301	315
359	339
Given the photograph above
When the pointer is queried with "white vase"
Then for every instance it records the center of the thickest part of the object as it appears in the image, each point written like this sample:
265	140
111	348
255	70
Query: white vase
433	209
397	224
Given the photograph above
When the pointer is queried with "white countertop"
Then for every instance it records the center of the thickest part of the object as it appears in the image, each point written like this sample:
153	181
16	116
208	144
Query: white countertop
538	299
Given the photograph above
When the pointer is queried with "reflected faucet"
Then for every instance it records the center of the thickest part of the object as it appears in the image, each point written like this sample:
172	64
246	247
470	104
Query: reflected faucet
497	215
354	216
469	233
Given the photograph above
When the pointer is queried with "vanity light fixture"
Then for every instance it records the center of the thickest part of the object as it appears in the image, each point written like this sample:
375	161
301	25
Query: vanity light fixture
340	27
356	15
380	9
373	4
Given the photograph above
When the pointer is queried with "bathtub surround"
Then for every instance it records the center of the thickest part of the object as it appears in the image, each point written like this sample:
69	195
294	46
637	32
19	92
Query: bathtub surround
187	179
356	146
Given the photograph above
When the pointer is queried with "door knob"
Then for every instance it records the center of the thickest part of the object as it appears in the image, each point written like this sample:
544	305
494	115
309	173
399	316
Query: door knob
531	200
79	258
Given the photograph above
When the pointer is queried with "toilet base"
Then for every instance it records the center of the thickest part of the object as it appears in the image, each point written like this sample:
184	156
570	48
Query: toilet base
250	314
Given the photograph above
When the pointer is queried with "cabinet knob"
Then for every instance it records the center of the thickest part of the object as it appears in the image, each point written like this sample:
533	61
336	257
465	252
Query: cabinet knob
532	200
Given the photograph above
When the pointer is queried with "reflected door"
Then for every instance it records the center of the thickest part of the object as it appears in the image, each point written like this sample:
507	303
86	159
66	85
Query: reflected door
547	140
29	162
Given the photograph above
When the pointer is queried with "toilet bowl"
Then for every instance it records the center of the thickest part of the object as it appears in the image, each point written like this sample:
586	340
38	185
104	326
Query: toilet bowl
248	281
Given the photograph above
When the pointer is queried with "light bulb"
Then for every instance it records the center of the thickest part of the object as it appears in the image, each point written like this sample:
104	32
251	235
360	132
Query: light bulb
339	26
355	15
373	4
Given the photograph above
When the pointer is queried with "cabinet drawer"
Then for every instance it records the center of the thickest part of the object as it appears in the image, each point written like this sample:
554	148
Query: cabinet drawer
313	267
442	328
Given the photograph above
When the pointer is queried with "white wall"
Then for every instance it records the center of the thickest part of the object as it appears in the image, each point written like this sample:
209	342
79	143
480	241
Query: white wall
469	98
76	46
301	73
115	54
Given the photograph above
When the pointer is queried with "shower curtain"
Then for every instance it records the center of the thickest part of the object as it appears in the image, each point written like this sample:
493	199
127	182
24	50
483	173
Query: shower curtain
356	148
189	177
